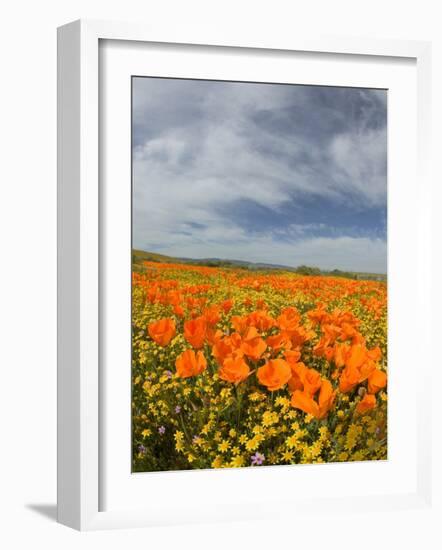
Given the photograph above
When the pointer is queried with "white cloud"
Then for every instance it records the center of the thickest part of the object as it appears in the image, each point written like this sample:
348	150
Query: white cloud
362	254
203	147
361	157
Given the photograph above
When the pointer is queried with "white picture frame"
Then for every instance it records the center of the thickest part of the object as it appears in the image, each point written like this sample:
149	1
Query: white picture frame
79	264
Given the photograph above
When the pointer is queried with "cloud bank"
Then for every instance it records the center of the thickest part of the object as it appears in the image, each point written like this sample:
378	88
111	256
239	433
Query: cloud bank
261	172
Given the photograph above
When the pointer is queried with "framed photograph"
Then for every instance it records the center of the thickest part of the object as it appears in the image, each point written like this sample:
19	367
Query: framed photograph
232	276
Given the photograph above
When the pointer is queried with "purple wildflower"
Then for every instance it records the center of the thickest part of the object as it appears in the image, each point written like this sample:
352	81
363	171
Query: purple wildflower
161	429
177	409
141	449
168	373
257	459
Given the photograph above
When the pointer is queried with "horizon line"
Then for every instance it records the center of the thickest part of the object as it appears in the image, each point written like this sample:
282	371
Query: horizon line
264	263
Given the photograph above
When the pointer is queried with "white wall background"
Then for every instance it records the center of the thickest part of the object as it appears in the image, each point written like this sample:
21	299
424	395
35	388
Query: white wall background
28	268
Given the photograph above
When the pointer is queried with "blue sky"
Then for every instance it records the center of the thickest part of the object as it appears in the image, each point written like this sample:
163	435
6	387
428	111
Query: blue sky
271	173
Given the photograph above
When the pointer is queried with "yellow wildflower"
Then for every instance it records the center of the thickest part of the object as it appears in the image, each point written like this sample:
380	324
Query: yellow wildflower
354	431
282	402
269	418
237	461
253	443
287	455
224	446
256	396
217	462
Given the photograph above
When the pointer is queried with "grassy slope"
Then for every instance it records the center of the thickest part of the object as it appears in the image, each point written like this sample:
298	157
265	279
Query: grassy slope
139	256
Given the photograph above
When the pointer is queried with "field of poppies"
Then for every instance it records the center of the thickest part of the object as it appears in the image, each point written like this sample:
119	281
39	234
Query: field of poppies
234	367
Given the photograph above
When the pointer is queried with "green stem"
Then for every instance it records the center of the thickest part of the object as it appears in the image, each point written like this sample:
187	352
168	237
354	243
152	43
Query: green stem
184	428
238	402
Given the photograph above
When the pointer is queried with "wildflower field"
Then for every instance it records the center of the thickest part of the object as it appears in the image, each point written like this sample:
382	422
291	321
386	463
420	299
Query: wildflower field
233	367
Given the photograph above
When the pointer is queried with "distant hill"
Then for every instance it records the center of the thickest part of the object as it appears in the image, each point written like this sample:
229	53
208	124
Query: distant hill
237	263
142	255
138	256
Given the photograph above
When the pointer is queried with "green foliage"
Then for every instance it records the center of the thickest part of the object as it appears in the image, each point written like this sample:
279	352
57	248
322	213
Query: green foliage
307	270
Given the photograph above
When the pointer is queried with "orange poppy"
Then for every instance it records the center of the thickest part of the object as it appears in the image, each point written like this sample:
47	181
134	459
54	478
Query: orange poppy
318	316
331	332
329	354
311	380
234	369
289	319
253	345
367	403
350	333
300	335
274	374
376	381
349	379
356	357
195	332
341	351
367	368
326	398
162	331
279	341
229	345
173	297
359	365
358	339
178	310
292	355
213	336
227	305
240	324
375	354
305	379
303	401
212	315
190	364
295	382
261	320
321	347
